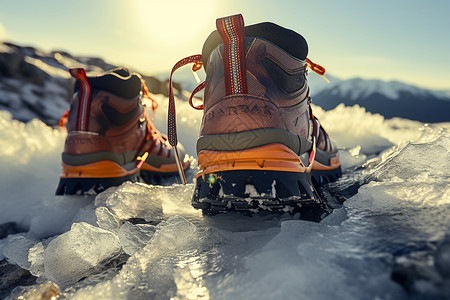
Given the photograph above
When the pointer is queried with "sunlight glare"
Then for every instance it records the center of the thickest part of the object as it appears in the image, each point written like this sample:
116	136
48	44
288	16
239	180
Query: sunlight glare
176	22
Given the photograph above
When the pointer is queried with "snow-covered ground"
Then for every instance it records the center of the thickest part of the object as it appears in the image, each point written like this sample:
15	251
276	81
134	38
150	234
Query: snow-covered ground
389	240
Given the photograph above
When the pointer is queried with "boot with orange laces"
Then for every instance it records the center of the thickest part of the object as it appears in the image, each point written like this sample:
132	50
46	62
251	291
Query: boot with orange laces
260	146
110	137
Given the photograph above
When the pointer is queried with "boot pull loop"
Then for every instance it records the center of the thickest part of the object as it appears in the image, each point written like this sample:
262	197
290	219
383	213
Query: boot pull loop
84	96
317	68
171	122
231	30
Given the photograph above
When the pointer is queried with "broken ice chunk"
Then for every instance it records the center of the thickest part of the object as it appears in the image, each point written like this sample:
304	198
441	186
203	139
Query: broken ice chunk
135	237
131	200
80	252
16	251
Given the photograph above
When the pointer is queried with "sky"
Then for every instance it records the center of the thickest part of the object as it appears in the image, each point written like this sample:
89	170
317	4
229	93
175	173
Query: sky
404	40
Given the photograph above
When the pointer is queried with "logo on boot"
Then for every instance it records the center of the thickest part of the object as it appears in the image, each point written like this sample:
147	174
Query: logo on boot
82	141
238	110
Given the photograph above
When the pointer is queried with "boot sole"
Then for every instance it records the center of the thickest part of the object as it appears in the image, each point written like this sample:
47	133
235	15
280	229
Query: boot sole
270	177
96	177
253	191
91	186
93	178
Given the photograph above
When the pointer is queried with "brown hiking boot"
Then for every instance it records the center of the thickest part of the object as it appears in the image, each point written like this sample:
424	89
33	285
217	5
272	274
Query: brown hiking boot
260	146
111	138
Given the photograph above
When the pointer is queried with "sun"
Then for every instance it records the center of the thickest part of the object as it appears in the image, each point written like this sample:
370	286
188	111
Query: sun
175	22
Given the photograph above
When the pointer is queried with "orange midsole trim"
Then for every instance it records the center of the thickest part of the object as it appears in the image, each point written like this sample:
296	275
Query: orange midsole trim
273	157
334	164
101	169
171	168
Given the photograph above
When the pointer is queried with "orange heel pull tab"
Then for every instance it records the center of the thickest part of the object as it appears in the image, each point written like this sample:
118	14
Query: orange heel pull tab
317	68
63	120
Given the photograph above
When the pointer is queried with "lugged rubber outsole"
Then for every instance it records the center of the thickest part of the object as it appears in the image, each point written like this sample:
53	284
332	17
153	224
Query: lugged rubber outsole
91	186
96	177
254	190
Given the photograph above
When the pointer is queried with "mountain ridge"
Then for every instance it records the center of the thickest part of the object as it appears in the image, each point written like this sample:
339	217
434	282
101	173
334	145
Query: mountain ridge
29	75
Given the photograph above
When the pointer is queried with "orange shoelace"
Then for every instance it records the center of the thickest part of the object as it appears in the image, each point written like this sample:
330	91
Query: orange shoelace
317	68
147	95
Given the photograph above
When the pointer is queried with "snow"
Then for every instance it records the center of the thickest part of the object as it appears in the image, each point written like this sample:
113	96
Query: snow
148	242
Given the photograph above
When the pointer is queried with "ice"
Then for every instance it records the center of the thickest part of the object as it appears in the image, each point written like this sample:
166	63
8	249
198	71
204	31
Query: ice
36	259
349	159
148	273
98	216
135	237
16	251
78	253
106	220
417	158
130	201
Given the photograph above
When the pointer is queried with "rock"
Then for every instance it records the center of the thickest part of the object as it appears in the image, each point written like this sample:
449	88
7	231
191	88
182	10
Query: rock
29	77
12	276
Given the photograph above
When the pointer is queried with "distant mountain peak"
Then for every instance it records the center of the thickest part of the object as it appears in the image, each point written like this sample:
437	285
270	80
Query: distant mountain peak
388	98
358	89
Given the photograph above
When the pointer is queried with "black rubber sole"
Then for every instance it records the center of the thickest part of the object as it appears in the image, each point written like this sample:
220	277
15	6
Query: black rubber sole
91	186
165	179
252	191
323	177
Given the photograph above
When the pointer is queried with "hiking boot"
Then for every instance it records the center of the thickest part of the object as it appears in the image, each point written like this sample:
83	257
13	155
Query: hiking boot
260	146
111	138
